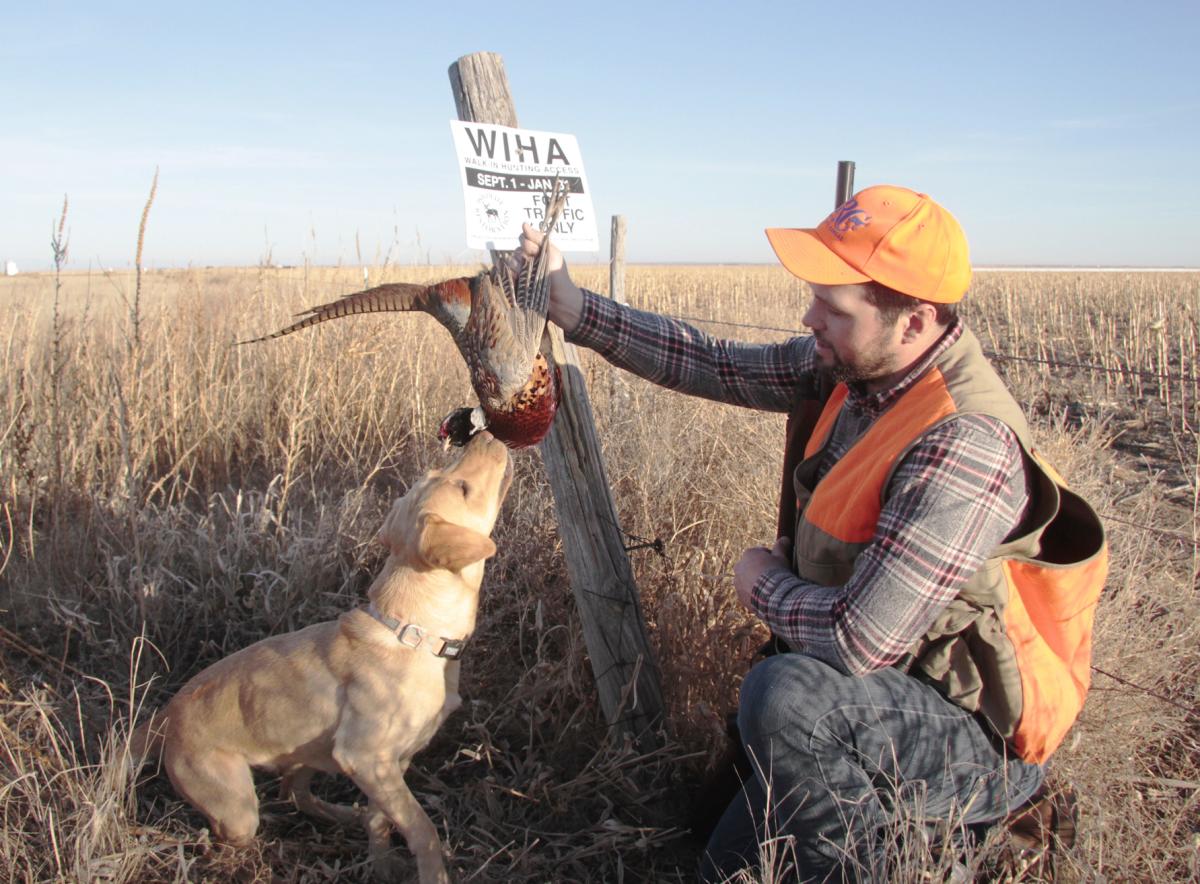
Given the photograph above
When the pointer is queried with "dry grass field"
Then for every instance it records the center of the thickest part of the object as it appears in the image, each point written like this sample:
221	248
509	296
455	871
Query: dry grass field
166	498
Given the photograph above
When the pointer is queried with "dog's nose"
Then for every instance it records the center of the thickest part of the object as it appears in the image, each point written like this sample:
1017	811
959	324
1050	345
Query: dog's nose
484	443
482	439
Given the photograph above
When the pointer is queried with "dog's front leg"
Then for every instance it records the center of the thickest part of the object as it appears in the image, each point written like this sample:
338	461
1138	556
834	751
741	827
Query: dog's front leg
382	779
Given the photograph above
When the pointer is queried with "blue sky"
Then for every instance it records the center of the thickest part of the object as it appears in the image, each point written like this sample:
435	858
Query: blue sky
1058	133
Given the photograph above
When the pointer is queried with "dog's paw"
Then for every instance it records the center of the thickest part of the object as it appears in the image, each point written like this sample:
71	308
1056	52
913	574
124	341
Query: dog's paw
398	865
391	866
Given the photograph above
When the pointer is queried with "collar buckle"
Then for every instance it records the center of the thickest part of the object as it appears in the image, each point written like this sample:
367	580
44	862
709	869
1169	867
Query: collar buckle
410	635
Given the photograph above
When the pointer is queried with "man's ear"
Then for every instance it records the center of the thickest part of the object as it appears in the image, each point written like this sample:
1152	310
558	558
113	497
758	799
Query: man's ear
446	545
919	320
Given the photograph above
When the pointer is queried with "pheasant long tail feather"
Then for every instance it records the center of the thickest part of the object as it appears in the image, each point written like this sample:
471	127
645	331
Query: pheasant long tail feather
449	302
533	291
528	290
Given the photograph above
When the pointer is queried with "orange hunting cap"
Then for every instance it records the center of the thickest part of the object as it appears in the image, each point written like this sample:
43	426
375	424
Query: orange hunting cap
892	235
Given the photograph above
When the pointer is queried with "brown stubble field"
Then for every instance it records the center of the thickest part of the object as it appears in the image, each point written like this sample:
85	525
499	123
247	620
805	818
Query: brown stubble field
167	498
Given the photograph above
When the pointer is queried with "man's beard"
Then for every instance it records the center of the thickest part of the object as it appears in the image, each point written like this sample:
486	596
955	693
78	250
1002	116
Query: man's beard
874	362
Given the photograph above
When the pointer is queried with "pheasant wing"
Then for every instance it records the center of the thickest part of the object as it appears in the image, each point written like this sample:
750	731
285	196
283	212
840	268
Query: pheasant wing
497	347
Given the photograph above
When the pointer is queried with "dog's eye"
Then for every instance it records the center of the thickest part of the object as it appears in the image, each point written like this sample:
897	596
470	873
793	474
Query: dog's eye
466	489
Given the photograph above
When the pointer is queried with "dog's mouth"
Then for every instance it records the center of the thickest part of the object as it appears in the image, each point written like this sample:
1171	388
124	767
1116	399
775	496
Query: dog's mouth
483	449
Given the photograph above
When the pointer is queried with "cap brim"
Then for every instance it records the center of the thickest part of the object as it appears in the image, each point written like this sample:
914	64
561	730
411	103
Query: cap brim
805	256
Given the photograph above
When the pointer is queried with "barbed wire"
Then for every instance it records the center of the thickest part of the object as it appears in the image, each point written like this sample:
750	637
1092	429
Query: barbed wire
1174	535
1006	357
1190	710
1058	363
991	354
659	546
790	331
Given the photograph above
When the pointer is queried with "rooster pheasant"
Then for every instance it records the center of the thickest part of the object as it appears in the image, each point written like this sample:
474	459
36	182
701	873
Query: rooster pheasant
497	319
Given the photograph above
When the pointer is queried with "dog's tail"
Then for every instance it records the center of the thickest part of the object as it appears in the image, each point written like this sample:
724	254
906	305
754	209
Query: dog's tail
147	740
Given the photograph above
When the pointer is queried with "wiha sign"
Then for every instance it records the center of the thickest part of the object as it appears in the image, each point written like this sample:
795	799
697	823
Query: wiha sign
507	174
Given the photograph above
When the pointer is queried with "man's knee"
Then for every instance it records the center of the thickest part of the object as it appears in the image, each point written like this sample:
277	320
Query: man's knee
783	692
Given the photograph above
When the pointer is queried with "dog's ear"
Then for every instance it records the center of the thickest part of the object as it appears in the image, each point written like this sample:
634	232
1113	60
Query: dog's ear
450	546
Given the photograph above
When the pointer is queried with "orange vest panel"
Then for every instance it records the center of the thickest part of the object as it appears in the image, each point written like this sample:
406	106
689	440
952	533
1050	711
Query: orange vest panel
1042	597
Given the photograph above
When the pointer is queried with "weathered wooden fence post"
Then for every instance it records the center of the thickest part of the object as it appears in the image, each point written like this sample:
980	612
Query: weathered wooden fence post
623	664
844	189
618	389
616	264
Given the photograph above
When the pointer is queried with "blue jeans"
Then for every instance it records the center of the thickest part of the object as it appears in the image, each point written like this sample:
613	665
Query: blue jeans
836	756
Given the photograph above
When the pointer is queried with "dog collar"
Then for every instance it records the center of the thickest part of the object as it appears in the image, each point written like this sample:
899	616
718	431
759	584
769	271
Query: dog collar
413	636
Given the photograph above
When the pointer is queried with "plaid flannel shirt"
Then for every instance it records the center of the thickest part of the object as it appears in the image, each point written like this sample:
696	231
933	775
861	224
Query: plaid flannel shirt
956	495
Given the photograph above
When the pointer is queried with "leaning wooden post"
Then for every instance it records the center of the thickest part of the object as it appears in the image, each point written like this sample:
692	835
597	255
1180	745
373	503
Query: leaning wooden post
623	664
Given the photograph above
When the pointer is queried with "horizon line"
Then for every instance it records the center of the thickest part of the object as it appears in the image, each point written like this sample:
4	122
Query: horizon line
983	268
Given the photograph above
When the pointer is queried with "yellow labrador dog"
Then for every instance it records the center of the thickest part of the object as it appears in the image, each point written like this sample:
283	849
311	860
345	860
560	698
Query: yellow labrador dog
359	695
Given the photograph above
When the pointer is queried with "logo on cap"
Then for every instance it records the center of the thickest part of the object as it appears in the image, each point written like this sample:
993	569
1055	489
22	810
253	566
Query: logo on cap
847	217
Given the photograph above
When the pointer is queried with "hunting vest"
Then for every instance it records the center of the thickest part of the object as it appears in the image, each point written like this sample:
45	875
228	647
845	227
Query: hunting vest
1014	646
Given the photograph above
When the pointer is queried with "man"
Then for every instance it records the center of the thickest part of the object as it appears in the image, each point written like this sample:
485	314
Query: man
936	661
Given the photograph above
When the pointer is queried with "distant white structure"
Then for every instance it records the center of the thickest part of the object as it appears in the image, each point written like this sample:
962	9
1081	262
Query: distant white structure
10	268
